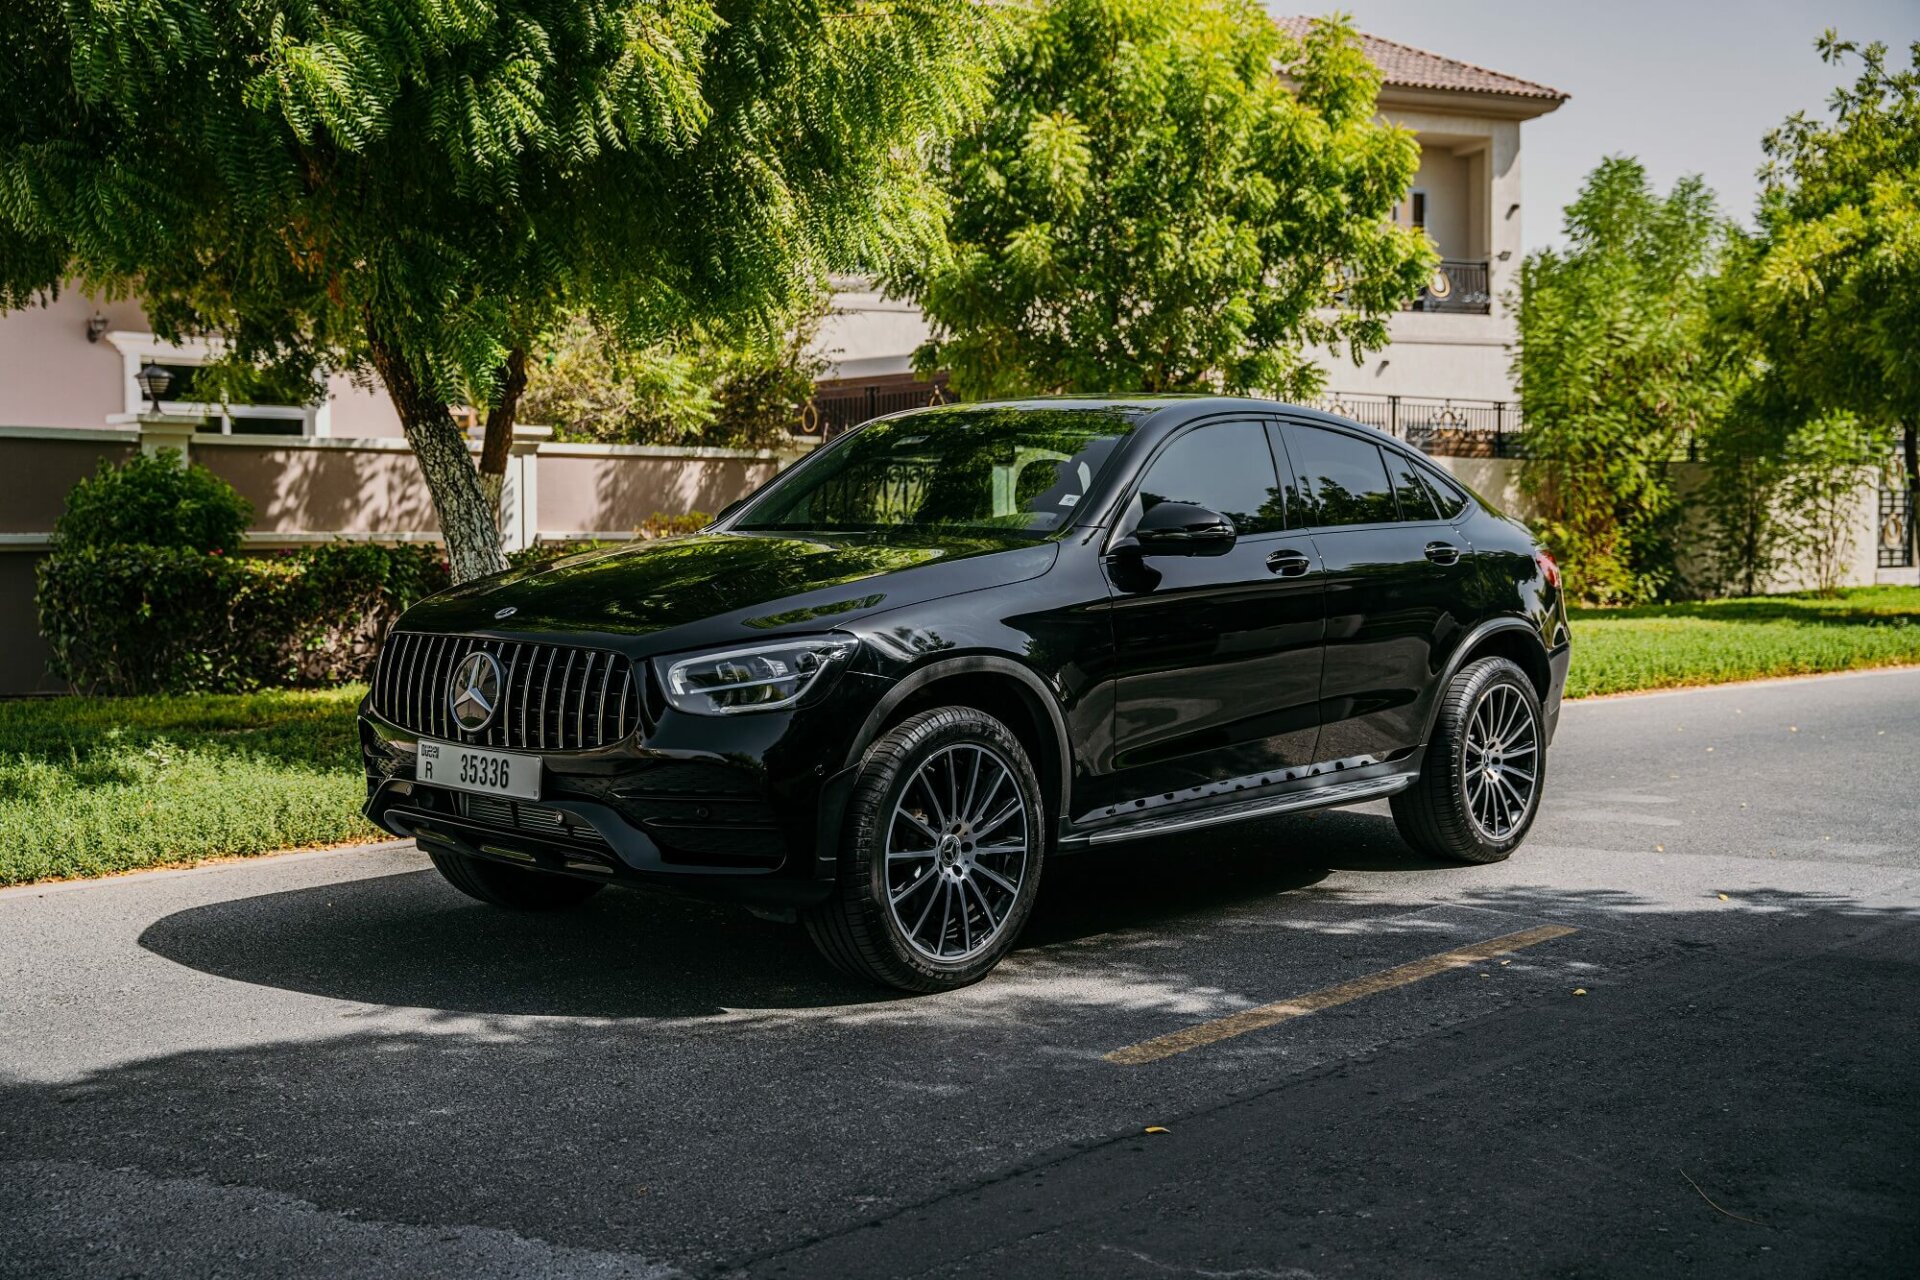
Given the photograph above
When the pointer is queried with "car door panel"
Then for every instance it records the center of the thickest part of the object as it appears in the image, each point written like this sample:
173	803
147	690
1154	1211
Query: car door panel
1393	590
1217	657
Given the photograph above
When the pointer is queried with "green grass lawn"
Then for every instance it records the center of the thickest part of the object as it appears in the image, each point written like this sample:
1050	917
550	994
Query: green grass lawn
1668	645
94	785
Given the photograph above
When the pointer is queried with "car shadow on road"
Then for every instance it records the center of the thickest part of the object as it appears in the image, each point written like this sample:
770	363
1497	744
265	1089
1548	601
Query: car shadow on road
410	940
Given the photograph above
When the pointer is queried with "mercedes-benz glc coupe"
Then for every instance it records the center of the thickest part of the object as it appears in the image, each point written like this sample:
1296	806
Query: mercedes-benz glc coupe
884	692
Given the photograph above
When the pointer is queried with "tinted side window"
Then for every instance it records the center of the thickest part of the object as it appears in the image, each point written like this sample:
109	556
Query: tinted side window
1225	467
1447	494
1416	503
1341	476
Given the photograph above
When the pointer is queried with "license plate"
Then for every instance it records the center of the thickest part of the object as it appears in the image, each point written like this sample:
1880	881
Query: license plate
492	773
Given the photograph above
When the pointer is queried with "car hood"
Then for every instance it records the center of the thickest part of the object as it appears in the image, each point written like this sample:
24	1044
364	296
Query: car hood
720	587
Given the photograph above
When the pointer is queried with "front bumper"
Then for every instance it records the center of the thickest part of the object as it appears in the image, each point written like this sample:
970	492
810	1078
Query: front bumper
746	808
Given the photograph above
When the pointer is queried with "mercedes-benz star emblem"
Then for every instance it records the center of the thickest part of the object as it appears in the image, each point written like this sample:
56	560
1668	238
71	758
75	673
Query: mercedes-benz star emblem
507	612
474	691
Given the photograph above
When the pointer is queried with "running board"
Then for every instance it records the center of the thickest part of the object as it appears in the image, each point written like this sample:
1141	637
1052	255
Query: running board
1318	798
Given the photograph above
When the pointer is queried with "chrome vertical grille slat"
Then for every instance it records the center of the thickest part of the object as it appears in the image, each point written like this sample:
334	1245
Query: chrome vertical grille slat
552	697
580	715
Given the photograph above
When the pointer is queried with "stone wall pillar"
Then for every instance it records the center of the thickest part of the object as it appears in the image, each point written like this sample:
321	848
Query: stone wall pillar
163	431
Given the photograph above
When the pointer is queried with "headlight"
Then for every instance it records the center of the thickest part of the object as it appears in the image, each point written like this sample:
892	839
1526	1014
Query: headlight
763	678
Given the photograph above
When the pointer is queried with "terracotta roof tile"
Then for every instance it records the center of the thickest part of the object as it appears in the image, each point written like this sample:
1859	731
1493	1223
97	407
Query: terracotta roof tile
1404	66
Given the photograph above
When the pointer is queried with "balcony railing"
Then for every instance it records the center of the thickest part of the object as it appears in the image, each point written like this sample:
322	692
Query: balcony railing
1459	286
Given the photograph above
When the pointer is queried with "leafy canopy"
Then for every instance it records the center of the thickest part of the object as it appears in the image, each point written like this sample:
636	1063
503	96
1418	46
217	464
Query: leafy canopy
1168	195
1616	370
424	186
1836	289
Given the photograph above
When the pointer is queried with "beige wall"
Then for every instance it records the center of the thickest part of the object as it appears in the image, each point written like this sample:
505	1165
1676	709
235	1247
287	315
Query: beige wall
339	486
613	488
51	376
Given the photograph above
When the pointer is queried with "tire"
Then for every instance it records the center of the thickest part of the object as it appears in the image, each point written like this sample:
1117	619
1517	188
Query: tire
1468	804
879	925
516	888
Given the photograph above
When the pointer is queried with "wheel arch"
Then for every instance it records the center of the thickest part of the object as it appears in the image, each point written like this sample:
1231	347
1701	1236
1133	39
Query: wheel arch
1512	638
1002	688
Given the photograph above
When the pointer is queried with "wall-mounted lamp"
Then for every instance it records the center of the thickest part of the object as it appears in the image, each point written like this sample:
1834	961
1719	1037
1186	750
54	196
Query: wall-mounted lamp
1512	209
1381	368
1504	254
154	382
96	326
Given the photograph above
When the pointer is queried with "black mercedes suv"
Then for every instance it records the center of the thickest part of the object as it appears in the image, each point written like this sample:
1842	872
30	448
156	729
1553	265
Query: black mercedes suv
881	692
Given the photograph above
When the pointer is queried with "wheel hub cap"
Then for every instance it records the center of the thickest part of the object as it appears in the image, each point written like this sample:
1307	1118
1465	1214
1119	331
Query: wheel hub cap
1502	761
957	847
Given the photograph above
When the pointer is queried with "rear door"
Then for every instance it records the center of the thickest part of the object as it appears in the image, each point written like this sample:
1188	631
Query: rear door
1218	673
1396	580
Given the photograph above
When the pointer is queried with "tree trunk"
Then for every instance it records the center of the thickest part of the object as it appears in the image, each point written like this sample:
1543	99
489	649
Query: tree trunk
467	520
497	443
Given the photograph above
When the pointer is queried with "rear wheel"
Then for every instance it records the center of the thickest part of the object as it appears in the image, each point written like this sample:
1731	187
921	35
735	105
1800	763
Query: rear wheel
517	888
1480	785
945	836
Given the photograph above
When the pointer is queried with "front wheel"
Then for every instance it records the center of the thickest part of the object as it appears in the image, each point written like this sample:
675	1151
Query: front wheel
1480	785
945	836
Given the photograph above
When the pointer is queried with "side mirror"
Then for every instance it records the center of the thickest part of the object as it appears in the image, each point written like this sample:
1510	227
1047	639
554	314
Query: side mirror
1181	529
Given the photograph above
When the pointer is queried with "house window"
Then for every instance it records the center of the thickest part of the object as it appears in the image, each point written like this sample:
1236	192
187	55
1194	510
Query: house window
262	410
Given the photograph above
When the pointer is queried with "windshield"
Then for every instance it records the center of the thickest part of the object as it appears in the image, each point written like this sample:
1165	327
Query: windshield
1015	470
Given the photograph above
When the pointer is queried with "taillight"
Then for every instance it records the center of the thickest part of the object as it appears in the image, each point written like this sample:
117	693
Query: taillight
1548	569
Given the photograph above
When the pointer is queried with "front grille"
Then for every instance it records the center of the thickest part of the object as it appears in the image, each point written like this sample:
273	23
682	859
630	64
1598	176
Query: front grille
534	819
554	697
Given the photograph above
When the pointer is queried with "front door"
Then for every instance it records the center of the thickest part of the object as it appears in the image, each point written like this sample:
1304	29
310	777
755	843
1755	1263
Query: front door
1395	575
1218	656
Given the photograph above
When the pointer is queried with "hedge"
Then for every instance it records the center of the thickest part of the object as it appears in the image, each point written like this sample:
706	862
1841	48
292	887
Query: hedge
147	619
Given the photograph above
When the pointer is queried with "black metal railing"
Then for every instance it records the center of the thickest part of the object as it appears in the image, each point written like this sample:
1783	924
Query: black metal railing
1896	529
1446	427
831	412
551	697
1459	285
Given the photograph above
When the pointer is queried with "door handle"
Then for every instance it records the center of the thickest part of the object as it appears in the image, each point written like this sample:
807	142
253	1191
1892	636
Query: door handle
1443	553
1289	563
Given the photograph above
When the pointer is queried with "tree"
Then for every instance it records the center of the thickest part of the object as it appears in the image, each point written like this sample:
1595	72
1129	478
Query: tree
694	390
1616	370
1835	301
1167	195
424	189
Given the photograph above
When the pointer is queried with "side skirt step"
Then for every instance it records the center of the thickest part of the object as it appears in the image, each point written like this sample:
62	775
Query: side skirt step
1336	793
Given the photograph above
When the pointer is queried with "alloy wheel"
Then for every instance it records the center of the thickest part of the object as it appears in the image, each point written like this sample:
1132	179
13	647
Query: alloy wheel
957	852
1502	761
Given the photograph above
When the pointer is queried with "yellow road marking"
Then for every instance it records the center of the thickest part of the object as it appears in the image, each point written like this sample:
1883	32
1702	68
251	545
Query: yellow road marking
1270	1015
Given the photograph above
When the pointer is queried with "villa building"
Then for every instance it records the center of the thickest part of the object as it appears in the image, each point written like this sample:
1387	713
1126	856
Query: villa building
1447	371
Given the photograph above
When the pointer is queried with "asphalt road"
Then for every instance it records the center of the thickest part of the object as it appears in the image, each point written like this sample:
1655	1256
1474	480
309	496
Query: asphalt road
333	1064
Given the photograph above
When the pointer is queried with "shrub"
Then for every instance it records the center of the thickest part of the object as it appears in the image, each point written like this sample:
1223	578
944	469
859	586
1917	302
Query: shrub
154	501
146	619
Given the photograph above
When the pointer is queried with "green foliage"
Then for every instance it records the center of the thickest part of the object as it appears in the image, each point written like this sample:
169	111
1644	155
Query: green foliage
154	501
423	187
144	619
1714	641
1169	195
1837	284
95	785
1615	372
1834	305
745	394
